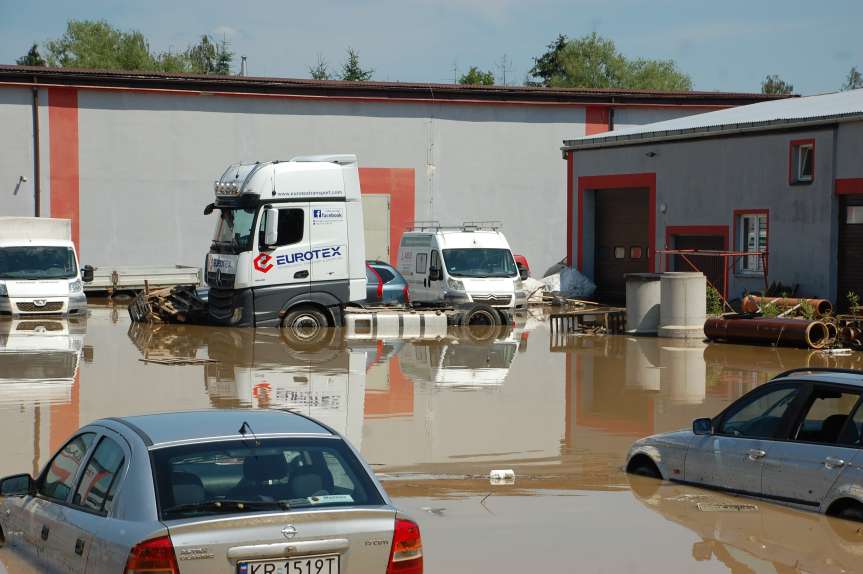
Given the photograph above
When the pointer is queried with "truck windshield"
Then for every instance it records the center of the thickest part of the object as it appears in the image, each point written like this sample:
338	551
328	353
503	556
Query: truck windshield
234	229
476	262
37	262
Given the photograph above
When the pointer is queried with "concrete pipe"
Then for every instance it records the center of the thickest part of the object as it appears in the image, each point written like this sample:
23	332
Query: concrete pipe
753	304
642	303
683	305
781	332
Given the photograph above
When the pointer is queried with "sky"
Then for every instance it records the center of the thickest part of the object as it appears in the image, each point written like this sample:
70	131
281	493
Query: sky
729	45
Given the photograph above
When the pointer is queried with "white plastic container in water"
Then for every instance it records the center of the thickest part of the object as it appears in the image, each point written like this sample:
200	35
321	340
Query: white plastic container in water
642	303
683	305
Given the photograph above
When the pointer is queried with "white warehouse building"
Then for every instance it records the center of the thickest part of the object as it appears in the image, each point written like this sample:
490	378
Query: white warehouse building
131	157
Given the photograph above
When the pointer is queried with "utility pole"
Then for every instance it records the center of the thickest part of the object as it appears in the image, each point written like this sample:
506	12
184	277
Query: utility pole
455	71
504	67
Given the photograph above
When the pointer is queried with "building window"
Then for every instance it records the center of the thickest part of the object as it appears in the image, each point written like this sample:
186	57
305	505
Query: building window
752	238
854	214
802	161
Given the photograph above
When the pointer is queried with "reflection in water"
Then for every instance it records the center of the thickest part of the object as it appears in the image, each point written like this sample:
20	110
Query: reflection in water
771	539
433	416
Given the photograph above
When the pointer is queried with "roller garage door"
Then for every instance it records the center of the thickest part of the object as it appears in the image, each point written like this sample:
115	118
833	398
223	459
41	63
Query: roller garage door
621	240
712	267
850	248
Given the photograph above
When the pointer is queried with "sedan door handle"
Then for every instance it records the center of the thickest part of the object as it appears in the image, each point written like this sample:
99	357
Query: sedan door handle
79	547
45	532
756	454
833	462
301	274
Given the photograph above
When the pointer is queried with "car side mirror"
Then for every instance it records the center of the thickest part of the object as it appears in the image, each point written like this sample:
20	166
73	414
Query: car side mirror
271	227
522	272
87	274
435	274
702	426
209	209
17	485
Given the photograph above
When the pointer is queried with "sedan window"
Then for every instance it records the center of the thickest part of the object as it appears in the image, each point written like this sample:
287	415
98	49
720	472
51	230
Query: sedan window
59	477
271	474
759	416
386	274
826	417
97	485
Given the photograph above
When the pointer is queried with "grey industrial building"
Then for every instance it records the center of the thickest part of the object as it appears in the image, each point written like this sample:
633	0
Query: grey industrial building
131	157
783	178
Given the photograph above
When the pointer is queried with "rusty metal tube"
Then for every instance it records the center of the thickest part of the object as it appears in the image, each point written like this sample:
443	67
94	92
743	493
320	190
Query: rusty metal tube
752	304
782	332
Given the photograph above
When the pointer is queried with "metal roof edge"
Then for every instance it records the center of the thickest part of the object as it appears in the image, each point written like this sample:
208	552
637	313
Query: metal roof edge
623	140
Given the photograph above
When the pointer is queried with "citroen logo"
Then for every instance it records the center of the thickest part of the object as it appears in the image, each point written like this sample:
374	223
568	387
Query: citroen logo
289	531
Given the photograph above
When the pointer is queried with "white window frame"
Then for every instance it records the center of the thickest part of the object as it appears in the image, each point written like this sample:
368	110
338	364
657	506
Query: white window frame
799	158
751	264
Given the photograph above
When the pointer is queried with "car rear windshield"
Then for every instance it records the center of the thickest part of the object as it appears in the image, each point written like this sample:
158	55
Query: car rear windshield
259	475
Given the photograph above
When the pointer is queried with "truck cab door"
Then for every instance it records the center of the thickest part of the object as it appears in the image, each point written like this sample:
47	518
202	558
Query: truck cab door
283	270
329	249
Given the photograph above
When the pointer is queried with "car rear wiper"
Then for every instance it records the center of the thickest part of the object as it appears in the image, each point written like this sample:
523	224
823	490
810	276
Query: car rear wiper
230	505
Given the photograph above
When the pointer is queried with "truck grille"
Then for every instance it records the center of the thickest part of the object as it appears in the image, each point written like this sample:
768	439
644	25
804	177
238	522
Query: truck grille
30	307
493	299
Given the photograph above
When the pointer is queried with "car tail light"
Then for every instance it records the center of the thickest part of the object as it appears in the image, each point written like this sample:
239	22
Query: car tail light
406	556
407	294
154	556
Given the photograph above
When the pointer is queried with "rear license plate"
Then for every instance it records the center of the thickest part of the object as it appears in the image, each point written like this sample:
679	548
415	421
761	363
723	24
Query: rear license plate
328	564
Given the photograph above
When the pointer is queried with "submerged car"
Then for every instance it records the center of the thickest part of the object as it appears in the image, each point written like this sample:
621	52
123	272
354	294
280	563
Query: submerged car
234	491
795	440
385	285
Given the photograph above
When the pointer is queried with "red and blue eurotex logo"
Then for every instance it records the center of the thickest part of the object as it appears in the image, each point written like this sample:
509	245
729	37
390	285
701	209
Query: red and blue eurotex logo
263	262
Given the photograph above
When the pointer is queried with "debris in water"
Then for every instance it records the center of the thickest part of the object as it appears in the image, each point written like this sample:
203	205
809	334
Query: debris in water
722	507
177	361
502	477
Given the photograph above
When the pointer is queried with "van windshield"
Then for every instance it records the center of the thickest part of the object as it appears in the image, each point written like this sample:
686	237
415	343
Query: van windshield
475	262
37	262
234	230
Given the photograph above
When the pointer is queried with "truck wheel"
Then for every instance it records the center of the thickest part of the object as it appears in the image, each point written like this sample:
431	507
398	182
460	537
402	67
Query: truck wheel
480	315
305	326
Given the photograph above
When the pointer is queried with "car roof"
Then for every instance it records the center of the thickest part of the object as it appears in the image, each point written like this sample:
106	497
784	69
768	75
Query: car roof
193	426
822	375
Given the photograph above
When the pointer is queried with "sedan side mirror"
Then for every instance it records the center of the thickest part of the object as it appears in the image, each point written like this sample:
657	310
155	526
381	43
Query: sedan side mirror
17	485
702	426
87	274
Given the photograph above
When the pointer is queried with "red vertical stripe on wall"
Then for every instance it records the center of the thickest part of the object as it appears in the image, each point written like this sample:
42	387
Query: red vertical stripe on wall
398	183
63	130
595	120
570	205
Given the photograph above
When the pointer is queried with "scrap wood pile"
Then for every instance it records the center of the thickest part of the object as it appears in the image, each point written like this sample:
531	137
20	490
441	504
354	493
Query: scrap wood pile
790	322
169	305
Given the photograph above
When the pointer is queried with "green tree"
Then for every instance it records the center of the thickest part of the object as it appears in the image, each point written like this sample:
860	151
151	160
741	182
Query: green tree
32	58
224	59
321	69
96	44
775	86
594	62
549	64
854	81
477	77
351	71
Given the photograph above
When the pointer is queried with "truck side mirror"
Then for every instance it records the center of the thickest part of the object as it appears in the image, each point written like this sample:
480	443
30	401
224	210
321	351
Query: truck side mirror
17	485
435	274
271	227
87	274
522	272
209	209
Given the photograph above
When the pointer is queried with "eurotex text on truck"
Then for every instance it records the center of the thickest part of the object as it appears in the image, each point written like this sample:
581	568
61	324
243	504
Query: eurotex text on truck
288	249
39	272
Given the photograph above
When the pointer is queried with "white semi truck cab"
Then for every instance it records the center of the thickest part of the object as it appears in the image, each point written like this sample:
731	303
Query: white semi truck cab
288	249
39	273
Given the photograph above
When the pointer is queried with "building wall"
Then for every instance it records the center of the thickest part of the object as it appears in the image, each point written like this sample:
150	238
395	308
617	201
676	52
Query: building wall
145	162
703	182
630	117
849	151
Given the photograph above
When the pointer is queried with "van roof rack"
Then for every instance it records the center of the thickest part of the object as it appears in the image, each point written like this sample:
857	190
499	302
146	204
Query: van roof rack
434	225
817	370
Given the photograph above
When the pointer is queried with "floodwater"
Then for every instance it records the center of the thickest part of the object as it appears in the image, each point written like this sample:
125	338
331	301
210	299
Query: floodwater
433	417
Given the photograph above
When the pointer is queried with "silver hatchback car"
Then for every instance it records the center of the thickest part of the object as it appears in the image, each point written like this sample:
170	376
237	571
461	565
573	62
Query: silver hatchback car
795	440
234	491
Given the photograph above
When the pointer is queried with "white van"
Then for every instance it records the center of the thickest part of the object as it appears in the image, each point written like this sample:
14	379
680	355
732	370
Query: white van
455	266
39	273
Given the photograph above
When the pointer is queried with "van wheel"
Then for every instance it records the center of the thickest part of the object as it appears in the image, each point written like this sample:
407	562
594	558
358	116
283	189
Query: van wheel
480	315
305	326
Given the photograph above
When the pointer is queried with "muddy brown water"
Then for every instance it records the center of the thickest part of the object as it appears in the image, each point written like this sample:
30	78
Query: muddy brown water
434	417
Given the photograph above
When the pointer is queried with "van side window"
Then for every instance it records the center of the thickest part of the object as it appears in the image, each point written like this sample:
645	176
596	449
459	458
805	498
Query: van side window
291	224
422	263
435	261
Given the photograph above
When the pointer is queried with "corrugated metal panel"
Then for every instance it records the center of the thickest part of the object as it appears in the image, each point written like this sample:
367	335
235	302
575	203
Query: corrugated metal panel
839	106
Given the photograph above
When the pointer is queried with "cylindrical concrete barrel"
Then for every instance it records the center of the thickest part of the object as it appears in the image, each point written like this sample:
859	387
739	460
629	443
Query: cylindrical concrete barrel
683	305
642	303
